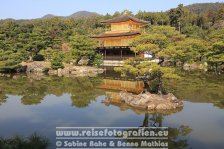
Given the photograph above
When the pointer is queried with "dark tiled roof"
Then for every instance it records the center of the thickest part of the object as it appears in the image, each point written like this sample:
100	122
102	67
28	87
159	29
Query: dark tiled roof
116	34
124	18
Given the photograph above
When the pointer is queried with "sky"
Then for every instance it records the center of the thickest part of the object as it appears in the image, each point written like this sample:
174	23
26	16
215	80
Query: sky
29	9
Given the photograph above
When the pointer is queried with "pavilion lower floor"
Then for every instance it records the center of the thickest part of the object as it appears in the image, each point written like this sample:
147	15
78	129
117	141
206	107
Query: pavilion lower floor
116	53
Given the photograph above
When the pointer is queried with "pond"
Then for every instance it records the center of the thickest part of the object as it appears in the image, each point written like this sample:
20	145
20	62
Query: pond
29	104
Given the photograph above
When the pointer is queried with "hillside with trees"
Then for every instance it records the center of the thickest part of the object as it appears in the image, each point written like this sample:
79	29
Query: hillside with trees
76	15
204	7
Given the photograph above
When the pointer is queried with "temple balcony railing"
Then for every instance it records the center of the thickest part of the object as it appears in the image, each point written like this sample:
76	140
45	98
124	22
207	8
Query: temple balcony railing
123	31
118	58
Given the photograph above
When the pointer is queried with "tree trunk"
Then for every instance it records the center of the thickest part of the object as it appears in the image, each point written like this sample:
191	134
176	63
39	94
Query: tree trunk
146	86
216	68
161	60
160	85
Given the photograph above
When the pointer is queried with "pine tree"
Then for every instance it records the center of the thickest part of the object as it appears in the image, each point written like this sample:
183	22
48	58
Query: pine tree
147	71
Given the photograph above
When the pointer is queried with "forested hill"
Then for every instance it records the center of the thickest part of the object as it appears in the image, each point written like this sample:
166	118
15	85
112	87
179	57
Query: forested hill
76	15
204	7
48	16
83	14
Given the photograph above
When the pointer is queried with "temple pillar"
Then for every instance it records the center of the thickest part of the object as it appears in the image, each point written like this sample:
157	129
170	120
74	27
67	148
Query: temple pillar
105	53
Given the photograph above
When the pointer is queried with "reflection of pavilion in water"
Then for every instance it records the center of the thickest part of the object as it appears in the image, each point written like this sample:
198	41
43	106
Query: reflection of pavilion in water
113	86
119	85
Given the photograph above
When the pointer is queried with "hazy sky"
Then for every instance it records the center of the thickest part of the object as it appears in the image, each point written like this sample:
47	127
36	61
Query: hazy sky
26	9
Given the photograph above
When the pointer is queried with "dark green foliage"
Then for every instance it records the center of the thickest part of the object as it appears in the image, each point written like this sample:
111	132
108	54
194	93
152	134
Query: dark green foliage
176	16
10	60
216	55
48	53
155	18
38	57
34	141
20	40
147	71
82	46
57	61
194	31
97	60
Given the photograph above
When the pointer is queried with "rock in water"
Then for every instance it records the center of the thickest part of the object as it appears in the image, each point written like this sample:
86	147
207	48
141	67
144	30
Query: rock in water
84	61
53	72
195	66
60	72
151	101
35	67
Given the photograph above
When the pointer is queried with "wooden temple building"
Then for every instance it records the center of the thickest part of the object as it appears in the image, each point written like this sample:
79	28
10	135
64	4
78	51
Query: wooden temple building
114	44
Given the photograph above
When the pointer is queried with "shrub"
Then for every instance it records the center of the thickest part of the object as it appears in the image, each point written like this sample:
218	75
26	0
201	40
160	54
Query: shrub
69	57
56	61
48	53
34	141
98	60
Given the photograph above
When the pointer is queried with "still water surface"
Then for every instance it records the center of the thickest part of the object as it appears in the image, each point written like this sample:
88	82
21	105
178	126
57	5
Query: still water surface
28	105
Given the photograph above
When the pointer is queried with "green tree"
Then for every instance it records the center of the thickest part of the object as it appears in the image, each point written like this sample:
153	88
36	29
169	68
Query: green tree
128	12
116	14
156	40
10	60
168	31
216	55
147	71
152	43
56	61
194	31
155	18
180	16
82	46
216	35
172	54
188	50
97	60
48	53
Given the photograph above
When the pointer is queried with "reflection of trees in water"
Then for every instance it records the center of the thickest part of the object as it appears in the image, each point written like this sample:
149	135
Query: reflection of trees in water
176	136
3	98
34	141
33	93
85	92
220	104
156	119
84	98
199	87
152	120
82	90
